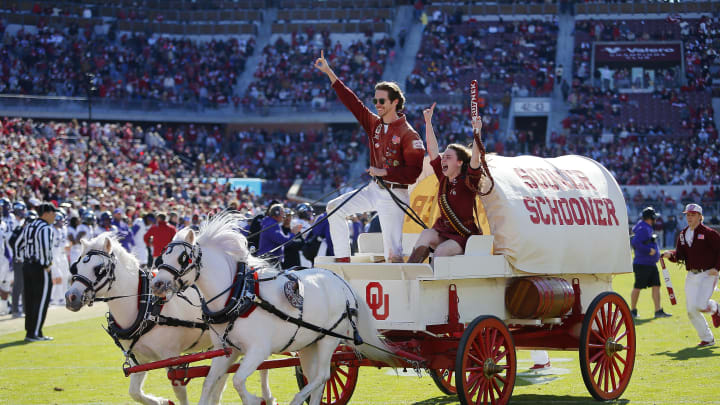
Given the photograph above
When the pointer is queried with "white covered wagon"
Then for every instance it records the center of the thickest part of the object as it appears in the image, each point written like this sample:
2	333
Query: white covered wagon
541	280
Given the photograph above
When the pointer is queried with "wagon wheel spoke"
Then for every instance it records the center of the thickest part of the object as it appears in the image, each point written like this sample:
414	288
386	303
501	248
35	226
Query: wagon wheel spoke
620	322
601	374
617	339
475	359
341	371
606	369
328	394
612	372
617	368
597	335
492	343
500	356
479	349
474	386
335	384
496	387
597	367
484	393
601	321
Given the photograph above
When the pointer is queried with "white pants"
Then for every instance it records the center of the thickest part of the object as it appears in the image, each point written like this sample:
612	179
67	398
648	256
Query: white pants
60	269
370	198
6	273
698	290
539	356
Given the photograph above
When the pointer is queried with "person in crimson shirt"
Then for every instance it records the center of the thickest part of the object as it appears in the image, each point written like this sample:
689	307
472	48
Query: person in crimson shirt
454	169
159	235
396	158
698	247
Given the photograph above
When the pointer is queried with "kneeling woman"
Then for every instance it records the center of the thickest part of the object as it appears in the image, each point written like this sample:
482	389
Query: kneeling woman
459	172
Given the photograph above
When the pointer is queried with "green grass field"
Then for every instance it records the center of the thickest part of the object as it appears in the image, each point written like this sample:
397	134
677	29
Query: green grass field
83	366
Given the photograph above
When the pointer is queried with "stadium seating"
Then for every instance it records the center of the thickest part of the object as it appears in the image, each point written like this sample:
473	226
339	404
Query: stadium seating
458	52
285	75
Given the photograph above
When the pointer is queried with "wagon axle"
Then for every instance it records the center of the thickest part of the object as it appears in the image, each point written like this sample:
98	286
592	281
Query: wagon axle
612	347
490	368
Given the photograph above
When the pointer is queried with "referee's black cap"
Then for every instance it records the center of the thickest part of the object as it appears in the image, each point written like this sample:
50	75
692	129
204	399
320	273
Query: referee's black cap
46	207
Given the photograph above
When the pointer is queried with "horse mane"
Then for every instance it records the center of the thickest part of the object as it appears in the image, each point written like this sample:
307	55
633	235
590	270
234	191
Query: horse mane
222	231
98	243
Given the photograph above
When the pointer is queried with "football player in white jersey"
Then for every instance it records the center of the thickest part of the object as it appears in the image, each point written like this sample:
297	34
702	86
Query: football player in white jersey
60	268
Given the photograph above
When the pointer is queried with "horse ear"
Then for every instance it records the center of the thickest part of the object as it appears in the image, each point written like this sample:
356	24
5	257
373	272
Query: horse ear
107	245
190	236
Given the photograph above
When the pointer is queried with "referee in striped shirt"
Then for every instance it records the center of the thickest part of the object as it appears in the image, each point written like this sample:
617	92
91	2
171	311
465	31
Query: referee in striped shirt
35	247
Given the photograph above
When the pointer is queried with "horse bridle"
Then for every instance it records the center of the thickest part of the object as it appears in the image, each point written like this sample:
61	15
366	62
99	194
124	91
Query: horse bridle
189	259
104	275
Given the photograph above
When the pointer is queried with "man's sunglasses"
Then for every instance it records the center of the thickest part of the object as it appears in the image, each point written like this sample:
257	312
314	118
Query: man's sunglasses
380	101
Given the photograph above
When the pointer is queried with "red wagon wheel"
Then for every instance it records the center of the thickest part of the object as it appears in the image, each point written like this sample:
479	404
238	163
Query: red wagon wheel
341	385
444	378
607	346
486	365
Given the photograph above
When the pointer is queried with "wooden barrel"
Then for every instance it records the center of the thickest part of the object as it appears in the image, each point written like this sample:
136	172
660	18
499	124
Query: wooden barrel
539	297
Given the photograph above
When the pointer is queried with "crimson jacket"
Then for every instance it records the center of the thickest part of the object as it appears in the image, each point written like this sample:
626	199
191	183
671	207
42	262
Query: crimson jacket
399	150
162	234
704	253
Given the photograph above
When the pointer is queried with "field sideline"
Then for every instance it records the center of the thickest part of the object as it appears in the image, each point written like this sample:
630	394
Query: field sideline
83	366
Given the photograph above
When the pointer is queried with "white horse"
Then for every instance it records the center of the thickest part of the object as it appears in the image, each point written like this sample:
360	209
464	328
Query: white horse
105	269
210	260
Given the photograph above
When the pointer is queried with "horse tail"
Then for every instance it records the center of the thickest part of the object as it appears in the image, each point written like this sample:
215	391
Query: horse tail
372	347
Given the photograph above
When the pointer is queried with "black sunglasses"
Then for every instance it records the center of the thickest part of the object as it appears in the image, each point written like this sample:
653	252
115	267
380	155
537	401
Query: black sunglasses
380	101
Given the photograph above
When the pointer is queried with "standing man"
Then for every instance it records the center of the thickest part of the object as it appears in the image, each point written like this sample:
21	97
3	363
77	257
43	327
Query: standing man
396	159
159	235
6	273
304	218
647	254
669	227
139	228
105	223
123	230
272	234
698	247
87	230
60	269
16	224
36	241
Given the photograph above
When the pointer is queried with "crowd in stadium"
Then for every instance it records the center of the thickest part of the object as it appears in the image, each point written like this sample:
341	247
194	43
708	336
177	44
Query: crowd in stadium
285	75
608	125
701	51
453	52
126	66
147	168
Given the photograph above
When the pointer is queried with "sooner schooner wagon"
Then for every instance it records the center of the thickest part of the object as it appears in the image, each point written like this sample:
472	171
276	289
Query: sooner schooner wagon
541	279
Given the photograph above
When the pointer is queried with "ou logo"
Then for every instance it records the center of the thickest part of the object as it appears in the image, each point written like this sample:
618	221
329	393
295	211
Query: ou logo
376	300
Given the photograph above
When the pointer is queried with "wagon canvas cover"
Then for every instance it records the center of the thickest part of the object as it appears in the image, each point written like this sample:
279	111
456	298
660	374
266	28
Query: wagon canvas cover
558	215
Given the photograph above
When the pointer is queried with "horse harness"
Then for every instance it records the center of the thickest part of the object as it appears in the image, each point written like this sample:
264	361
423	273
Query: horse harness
190	258
148	308
245	296
104	275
